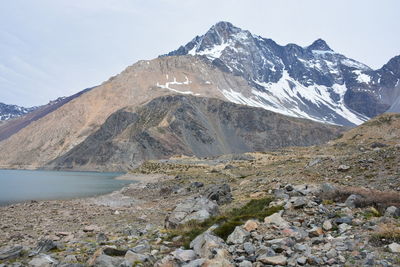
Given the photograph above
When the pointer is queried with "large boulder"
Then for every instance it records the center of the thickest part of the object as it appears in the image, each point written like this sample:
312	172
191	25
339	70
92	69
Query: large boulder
352	200
238	236
219	193
197	209
205	244
8	253
107	261
43	261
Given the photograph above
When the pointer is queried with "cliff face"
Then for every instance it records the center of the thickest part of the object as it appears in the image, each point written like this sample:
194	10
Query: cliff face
188	125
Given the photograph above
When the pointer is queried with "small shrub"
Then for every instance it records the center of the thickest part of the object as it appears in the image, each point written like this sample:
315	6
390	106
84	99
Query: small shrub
254	209
386	234
370	198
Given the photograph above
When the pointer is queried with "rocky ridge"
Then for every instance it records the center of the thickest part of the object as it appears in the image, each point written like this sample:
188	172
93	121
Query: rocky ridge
312	82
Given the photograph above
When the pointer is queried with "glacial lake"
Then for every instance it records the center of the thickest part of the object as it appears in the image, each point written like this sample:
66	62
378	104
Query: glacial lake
24	185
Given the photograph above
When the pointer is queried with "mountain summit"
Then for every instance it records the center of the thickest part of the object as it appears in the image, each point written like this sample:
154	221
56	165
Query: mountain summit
311	82
319	45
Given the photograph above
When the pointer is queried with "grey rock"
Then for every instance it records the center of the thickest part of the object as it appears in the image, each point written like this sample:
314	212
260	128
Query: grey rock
280	194
266	251
42	261
245	263
394	248
289	187
351	200
238	236
219	193
110	251
9	253
392	211
72	265
206	243
196	185
276	219
70	258
314	162
45	245
144	247
343	168
344	227
133	257
102	238
299	202
331	254
327	225
274	260
198	209
107	261
301	247
347	220
184	255
195	263
302	260
327	188
249	248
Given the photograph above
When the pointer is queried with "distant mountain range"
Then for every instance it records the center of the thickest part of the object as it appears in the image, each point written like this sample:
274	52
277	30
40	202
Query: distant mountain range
217	94
8	112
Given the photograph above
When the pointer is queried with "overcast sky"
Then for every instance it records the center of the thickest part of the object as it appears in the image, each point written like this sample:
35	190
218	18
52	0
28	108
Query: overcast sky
52	48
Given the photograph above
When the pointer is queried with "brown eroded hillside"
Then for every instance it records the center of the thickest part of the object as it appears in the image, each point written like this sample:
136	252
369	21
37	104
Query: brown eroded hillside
191	126
61	130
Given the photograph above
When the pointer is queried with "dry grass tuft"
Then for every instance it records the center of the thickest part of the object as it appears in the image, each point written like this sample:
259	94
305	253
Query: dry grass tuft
386	234
369	198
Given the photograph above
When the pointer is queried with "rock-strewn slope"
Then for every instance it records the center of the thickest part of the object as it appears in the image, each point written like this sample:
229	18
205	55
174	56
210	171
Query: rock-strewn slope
191	126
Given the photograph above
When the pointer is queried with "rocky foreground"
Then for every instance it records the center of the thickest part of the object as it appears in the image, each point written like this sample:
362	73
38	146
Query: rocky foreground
306	227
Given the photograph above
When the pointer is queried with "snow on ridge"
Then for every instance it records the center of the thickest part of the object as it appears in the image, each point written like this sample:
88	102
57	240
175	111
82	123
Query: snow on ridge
354	64
323	52
362	77
175	82
287	95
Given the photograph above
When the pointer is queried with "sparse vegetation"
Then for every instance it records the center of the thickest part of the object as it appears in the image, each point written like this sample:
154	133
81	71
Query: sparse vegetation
369	198
254	209
386	234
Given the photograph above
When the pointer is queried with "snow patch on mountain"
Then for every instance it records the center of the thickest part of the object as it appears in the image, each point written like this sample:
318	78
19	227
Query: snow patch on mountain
362	77
287	96
175	82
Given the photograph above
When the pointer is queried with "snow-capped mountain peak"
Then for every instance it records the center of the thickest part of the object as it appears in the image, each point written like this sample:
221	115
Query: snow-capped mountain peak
313	82
13	111
319	45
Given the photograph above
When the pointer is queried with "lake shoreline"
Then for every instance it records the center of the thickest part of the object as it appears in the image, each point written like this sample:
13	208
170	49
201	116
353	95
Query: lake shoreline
24	186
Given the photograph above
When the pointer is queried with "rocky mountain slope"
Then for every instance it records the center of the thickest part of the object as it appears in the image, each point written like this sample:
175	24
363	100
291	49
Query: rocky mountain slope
312	82
190	126
61	130
13	126
395	106
8	112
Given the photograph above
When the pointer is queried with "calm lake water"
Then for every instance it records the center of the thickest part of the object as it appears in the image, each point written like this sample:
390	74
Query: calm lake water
21	185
